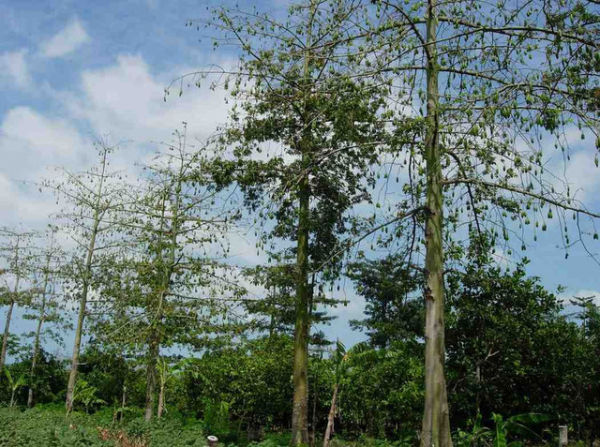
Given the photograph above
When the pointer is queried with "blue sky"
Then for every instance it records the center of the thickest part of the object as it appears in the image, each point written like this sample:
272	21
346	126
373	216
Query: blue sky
73	70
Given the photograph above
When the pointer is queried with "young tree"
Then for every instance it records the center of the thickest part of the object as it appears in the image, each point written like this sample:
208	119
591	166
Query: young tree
44	303
340	365
94	196
301	141
167	291
16	249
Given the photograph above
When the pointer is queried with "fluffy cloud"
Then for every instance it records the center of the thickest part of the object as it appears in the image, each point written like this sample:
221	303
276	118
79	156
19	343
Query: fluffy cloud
126	100
583	175
29	142
66	40
14	69
120	103
21	204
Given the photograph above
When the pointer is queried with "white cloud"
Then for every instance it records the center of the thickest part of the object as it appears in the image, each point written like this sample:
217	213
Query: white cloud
29	141
583	175
126	100
66	40
19	204
13	67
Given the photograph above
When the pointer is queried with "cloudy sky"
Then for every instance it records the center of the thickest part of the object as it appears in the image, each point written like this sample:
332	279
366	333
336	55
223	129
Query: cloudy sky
71	71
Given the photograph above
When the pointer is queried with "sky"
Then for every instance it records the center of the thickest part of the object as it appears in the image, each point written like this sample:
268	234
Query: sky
72	71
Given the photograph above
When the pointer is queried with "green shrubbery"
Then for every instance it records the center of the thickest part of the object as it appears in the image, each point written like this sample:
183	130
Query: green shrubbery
47	426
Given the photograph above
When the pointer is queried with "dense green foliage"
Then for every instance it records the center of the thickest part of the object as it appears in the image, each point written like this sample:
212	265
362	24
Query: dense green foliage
511	350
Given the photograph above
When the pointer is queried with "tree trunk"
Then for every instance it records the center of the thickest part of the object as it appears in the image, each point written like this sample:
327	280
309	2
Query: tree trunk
36	352
6	334
10	310
161	400
153	351
300	375
436	422
76	349
85	289
314	411
303	293
12	398
331	417
38	331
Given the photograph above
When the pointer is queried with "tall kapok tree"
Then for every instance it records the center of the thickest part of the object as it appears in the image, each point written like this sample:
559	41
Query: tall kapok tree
16	250
44	307
301	138
172	287
92	200
492	86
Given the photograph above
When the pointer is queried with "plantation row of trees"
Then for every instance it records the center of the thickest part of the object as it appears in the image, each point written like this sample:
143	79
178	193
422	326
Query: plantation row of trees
463	103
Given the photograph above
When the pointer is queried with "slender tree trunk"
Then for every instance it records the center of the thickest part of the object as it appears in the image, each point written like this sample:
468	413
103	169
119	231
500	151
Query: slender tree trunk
36	352
314	411
76	349
153	352
300	375
331	417
6	334
38	331
12	398
82	309
161	400
10	309
85	288
436	422
303	292
123	403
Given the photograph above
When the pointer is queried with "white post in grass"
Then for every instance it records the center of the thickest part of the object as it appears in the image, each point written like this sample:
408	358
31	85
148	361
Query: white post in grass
212	441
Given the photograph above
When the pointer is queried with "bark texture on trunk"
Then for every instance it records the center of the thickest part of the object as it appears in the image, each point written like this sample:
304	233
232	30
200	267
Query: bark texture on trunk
331	417
303	289
76	350
436	422
300	375
36	352
38	331
153	351
161	401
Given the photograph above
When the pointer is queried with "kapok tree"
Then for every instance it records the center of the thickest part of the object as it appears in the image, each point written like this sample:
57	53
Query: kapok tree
16	250
489	88
168	287
45	307
299	145
92	202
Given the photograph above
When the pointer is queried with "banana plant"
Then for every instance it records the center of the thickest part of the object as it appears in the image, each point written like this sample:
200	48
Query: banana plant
518	425
86	394
14	385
